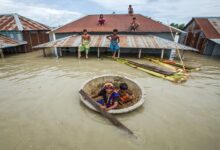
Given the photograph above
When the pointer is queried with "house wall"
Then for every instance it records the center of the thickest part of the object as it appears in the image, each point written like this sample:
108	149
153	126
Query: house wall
17	35
209	48
194	38
34	38
216	51
167	36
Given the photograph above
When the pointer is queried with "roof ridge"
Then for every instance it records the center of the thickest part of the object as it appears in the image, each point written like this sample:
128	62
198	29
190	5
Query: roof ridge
18	22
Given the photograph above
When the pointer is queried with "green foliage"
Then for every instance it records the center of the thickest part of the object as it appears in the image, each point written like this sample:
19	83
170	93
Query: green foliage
179	26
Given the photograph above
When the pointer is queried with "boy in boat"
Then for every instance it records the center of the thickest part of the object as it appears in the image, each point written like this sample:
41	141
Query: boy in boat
125	95
109	96
134	24
84	44
101	20
114	44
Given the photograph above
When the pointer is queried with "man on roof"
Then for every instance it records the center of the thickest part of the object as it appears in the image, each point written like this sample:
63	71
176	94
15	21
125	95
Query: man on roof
84	46
134	24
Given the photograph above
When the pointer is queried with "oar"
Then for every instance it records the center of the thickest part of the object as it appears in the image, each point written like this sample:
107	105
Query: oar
104	113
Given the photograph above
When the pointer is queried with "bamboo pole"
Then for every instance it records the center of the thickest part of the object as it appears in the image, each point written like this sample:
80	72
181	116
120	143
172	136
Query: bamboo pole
139	54
177	50
162	53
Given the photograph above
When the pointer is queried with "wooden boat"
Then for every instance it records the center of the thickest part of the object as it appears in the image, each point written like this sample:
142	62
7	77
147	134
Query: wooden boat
93	86
177	77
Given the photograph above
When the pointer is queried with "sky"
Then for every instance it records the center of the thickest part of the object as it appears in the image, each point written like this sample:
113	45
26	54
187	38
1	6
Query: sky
56	13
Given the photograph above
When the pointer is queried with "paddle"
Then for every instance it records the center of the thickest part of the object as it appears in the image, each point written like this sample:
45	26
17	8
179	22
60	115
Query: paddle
104	113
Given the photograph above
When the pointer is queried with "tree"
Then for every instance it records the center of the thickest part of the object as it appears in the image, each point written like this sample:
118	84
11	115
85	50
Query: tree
178	26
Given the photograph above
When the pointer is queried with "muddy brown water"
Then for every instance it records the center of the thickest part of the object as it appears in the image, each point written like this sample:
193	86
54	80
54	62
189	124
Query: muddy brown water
40	107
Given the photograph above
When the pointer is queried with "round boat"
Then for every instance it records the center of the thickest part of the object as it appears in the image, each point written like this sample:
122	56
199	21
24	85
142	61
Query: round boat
95	84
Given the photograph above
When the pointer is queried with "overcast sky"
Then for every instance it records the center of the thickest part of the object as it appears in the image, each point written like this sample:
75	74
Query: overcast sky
54	13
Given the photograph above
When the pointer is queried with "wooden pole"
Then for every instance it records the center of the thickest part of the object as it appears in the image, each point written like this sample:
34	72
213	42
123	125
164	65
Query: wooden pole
44	53
56	53
1	52
162	53
104	113
60	50
98	53
119	53
139	54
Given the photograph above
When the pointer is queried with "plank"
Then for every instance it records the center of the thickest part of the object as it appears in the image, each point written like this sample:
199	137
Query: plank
104	113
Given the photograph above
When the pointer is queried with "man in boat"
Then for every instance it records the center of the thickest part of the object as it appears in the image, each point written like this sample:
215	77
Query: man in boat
125	95
101	20
134	24
84	47
114	44
109	96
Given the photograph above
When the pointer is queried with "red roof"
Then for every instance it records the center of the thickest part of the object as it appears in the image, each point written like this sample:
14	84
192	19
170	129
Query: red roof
8	42
19	23
118	21
209	26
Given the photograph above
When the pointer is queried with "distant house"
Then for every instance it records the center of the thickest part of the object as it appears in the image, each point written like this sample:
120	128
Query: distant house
203	34
21	28
151	37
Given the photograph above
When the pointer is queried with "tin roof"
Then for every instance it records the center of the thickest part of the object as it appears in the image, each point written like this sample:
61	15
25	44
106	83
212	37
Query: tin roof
6	42
216	40
114	21
16	22
126	41
209	25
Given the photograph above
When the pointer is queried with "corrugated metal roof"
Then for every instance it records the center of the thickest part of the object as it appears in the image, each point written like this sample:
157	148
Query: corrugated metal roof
216	40
210	26
126	41
8	42
114	21
16	22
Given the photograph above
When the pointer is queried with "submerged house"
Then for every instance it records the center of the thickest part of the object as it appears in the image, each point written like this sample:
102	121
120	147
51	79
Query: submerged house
203	34
8	45
151	37
20	28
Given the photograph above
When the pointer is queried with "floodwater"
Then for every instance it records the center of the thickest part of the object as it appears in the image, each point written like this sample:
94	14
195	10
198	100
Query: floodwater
40	107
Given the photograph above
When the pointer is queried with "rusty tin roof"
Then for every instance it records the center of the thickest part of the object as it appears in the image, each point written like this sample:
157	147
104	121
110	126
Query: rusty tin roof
114	21
6	42
15	22
126	41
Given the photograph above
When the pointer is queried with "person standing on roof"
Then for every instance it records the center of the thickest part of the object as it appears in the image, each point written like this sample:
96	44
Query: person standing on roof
101	20
84	46
134	24
130	10
114	44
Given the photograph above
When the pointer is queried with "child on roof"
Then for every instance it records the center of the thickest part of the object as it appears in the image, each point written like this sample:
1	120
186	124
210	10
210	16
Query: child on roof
134	24
114	44
84	46
130	10
101	20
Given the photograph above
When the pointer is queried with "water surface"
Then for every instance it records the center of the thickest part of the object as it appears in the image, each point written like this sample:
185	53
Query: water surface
40	107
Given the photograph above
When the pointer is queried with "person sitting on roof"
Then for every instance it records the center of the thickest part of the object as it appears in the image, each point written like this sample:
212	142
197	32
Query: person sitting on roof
130	10
109	97
125	95
134	24
84	46
101	20
114	38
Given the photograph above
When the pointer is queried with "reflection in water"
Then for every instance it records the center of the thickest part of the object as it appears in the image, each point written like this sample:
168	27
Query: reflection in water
40	107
